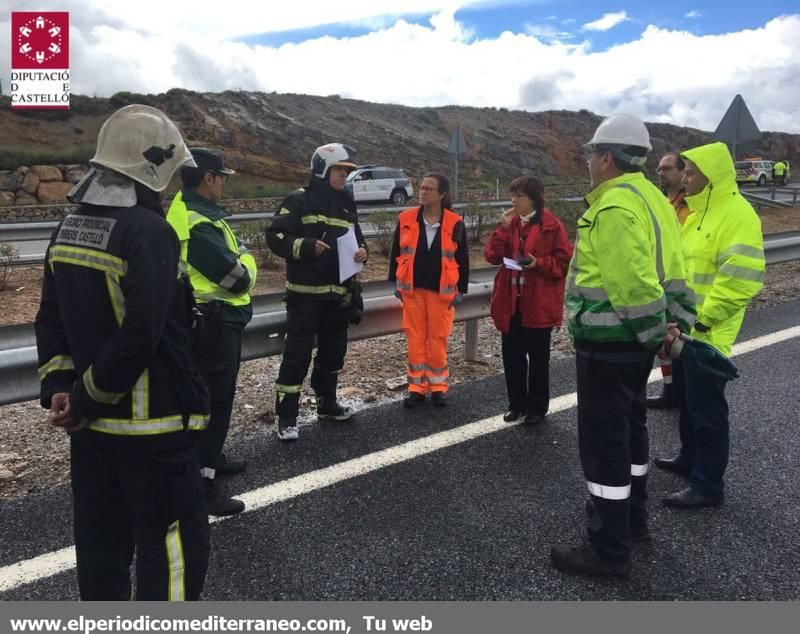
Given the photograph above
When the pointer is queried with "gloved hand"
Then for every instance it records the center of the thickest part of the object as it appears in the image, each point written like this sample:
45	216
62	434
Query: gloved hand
457	300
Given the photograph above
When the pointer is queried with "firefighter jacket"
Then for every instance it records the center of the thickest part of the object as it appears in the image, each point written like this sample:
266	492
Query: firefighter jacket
444	266
219	266
113	328
724	242
316	212
628	275
537	293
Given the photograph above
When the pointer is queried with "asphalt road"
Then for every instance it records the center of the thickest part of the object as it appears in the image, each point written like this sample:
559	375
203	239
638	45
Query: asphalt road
475	519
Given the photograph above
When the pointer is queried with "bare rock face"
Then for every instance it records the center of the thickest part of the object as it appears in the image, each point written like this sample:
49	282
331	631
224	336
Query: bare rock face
47	173
52	193
8	181
30	183
6	199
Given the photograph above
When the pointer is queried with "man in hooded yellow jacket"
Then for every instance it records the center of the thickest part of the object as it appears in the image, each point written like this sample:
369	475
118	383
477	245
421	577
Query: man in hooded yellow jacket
723	241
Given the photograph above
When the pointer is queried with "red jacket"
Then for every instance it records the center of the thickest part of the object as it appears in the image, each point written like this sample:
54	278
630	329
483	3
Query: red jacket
541	289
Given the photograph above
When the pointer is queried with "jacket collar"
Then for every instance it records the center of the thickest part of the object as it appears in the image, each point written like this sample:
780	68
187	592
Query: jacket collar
203	205
636	178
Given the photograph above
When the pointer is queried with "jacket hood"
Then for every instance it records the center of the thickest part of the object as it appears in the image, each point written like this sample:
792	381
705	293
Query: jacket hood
715	162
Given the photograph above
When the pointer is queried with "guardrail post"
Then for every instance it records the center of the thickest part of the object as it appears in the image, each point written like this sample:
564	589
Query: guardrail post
774	189
794	198
471	340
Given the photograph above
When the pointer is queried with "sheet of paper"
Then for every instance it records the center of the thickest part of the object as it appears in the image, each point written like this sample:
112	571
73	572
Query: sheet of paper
511	264
347	247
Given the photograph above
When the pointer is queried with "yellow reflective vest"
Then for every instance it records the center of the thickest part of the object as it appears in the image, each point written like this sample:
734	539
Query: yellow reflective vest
183	220
628	275
723	239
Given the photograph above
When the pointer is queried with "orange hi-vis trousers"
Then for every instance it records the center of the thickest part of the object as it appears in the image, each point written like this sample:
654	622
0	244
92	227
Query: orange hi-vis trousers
427	321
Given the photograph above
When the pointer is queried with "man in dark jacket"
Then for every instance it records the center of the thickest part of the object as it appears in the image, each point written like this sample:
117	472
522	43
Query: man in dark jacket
116	372
318	303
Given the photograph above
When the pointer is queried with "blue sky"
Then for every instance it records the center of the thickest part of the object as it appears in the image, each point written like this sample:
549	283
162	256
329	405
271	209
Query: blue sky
565	18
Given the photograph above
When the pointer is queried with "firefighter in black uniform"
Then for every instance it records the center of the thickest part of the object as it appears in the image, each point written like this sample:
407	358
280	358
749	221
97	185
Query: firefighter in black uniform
113	337
304	233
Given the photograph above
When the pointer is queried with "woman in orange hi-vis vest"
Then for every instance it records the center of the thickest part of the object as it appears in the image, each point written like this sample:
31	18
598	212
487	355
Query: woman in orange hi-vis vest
430	264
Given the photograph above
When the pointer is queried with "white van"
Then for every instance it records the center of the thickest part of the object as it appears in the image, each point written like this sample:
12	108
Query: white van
370	183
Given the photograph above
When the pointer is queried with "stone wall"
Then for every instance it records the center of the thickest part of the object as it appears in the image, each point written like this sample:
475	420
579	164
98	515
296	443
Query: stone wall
39	184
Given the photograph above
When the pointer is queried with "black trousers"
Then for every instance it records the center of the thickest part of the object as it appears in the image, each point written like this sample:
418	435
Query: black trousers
150	504
526	362
307	320
218	355
614	445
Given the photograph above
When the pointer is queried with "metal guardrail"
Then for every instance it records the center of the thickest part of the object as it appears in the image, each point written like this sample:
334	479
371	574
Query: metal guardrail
42	230
763	201
264	335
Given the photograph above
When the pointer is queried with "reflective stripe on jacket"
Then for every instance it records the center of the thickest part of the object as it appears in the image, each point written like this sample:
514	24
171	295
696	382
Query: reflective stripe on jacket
183	219
409	237
628	276
725	245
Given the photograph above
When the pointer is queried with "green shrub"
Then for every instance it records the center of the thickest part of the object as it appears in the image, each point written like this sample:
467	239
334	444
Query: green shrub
12	156
384	223
478	219
252	233
8	255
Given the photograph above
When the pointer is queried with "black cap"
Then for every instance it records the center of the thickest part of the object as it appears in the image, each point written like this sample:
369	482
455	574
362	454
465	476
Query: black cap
209	160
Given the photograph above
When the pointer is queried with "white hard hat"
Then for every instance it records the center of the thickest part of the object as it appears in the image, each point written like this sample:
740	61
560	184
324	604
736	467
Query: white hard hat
621	129
143	144
326	156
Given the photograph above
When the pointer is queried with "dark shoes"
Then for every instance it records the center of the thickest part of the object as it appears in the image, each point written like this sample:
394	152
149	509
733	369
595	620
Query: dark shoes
689	499
439	399
513	415
584	560
218	504
329	409
226	466
533	419
413	399
667	400
674	465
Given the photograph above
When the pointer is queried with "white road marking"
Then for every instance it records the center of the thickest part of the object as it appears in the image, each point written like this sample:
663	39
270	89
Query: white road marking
49	564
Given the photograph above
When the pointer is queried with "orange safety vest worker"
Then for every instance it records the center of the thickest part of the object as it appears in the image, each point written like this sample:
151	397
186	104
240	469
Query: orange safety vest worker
680	206
427	314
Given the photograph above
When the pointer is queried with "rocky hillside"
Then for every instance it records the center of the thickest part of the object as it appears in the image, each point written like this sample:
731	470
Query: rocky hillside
270	136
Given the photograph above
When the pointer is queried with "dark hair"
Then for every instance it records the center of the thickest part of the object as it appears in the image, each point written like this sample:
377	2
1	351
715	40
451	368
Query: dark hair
191	177
444	187
530	186
679	162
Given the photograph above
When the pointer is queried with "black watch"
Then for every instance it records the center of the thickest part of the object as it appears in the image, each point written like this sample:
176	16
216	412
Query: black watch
701	327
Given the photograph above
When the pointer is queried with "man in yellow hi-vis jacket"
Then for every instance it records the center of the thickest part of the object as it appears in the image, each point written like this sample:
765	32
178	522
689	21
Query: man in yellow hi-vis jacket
723	241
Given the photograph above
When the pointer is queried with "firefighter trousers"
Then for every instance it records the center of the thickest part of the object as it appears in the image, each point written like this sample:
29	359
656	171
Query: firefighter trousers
614	445
148	503
218	356
427	321
308	319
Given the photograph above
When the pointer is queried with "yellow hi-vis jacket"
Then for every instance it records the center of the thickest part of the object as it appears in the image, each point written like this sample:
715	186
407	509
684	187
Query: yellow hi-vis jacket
628	275
723	239
222	269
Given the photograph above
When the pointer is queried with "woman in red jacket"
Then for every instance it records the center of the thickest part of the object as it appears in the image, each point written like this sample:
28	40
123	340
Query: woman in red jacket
528	296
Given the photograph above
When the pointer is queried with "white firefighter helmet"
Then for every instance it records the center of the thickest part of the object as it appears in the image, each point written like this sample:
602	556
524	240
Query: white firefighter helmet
330	154
142	143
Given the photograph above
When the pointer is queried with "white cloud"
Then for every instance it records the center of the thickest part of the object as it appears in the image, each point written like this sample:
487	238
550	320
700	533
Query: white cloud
607	22
693	14
547	32
663	75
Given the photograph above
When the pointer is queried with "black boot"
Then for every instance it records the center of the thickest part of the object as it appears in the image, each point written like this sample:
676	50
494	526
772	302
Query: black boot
667	400
329	409
585	560
218	504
